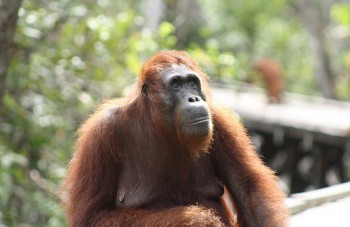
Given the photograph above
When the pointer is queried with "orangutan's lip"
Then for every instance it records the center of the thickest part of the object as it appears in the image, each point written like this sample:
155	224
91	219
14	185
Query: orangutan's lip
200	120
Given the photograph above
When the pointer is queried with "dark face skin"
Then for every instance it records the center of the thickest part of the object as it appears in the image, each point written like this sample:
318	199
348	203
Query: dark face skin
186	101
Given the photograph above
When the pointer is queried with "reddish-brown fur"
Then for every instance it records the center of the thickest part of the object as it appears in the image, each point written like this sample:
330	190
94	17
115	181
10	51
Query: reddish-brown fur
272	75
94	175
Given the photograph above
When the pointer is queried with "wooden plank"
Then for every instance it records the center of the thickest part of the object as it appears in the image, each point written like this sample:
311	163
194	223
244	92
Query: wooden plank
327	215
312	114
301	201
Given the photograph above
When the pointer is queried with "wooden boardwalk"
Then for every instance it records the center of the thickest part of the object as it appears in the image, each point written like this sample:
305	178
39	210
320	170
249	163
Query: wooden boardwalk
324	207
312	114
313	135
330	214
305	139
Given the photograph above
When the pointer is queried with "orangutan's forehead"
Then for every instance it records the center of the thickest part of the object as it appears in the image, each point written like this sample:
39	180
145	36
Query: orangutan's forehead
178	69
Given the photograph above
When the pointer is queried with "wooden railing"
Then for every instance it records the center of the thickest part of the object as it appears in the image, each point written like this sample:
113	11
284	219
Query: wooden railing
305	139
301	201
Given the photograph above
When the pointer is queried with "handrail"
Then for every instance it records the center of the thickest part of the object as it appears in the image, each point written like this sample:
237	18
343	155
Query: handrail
301	201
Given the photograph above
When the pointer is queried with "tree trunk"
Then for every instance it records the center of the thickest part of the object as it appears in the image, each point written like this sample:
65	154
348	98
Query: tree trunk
315	16
8	21
154	13
188	19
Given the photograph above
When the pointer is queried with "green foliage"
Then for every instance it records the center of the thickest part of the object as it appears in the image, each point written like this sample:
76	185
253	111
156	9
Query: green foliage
254	30
220	65
340	17
68	59
340	13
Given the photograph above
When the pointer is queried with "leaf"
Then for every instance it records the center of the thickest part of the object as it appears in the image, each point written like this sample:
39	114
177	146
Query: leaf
166	29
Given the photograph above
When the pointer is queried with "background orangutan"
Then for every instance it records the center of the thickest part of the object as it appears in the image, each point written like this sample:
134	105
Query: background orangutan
271	73
163	156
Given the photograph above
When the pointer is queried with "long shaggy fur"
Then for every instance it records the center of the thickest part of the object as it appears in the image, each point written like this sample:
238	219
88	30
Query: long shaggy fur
131	169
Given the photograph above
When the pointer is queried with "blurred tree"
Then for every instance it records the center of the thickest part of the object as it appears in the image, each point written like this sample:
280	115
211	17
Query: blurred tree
185	16
8	22
188	20
70	56
250	30
315	16
153	11
339	33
